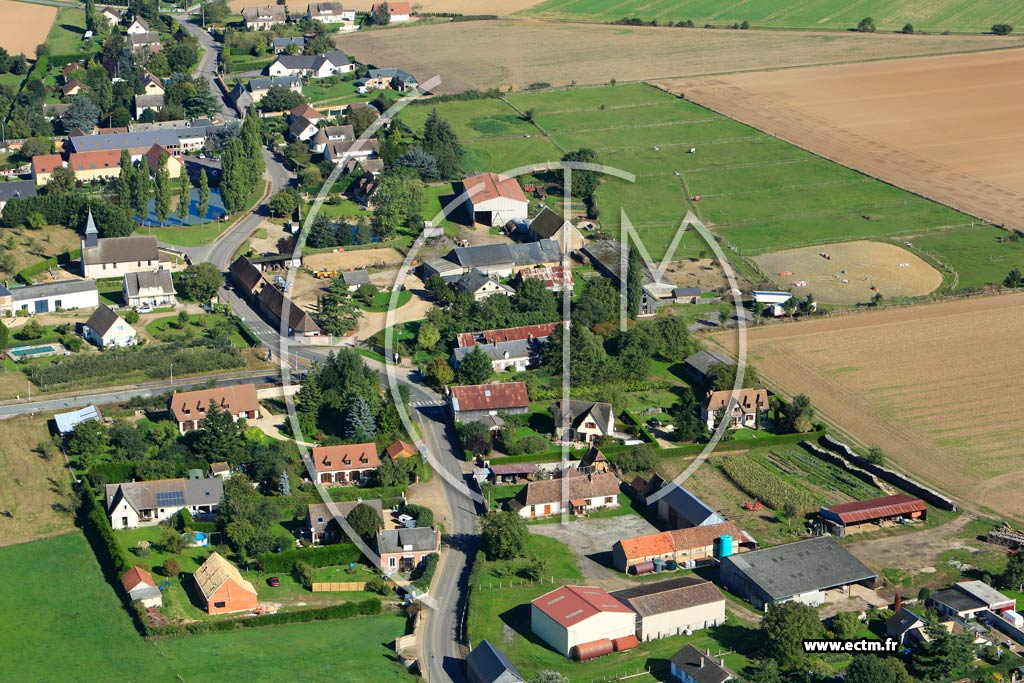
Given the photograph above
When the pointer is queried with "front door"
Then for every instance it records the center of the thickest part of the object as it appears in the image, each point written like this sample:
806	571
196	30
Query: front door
42	306
547	510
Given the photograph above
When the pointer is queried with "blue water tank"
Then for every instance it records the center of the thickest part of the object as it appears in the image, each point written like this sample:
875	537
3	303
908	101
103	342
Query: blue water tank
723	546
659	565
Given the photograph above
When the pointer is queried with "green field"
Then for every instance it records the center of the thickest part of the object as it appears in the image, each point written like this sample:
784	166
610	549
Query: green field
187	236
938	15
66	33
75	612
758	193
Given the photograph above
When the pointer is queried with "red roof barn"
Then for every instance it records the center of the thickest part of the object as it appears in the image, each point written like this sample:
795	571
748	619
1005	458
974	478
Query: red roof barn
874	511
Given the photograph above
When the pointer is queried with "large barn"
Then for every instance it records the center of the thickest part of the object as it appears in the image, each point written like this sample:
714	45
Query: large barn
582	622
846	517
494	199
674	607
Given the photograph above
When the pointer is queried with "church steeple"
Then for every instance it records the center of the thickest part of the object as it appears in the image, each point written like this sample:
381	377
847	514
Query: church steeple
91	233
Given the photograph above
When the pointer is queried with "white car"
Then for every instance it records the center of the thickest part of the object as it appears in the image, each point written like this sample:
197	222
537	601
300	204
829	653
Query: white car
144	309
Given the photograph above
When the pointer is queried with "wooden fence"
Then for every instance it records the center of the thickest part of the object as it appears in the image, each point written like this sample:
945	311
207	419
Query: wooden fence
337	586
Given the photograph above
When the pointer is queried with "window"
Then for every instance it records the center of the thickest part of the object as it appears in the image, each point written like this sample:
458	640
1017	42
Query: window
609	500
220	604
391	562
124	521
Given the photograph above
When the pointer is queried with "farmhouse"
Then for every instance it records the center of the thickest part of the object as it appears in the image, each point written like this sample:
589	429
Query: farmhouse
383	79
140	587
117	256
524	332
397	11
43	166
968	599
674	607
680	508
748	409
106	329
221	587
494	199
606	258
585	492
548	225
145	503
686	547
803	571
583	622
254	91
261	18
188	408
322	525
63	295
312	66
584	421
846	517
554	278
66	422
481	285
474	401
16	189
488	664
148	288
92	166
149	40
347	464
281	45
690	665
696	366
773	301
404	550
518	354
500	260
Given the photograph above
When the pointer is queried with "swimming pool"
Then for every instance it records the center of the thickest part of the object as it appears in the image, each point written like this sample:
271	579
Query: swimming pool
26	351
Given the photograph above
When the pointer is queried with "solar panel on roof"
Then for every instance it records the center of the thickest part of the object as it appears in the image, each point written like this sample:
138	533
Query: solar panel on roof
168	498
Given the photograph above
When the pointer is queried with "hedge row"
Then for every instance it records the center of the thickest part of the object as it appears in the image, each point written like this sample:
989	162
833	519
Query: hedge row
96	526
348	493
345	610
323	556
639	424
184	520
424	574
26	274
742	444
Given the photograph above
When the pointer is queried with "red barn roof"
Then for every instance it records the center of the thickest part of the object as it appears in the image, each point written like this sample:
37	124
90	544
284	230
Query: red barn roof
485	186
499	396
467	339
876	508
569	605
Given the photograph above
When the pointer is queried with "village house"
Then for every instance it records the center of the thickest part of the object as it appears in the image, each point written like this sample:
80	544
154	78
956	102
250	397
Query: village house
117	256
253	92
148	288
148	41
16	189
404	550
221	470
72	87
140	587
138	27
189	408
106	329
145	503
583	421
327	134
342	151
517	354
47	297
272	302
144	103
494	199
263	17
175	164
112	15
397	11
43	166
749	409
302	129
691	665
674	607
548	225
312	66
472	402
281	45
222	589
505	334
582	622
584	493
322	526
347	464
92	166
384	79
331	13
686	547
151	85
482	286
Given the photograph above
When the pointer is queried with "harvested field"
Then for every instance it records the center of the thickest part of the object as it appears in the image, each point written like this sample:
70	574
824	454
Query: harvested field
353	260
23	26
853	268
468	7
28	501
933	385
944	127
473	55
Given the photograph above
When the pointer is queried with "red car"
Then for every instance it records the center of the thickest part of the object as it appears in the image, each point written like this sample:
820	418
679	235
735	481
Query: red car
274	581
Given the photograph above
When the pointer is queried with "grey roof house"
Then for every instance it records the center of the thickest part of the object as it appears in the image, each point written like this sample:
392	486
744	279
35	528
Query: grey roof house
681	508
13	189
696	366
488	664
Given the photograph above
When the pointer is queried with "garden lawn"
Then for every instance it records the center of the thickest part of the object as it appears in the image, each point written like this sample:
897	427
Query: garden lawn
187	236
382	302
342	92
75	611
66	33
500	612
165	329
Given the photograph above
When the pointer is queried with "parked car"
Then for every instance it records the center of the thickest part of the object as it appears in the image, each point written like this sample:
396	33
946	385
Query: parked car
274	581
145	308
654	422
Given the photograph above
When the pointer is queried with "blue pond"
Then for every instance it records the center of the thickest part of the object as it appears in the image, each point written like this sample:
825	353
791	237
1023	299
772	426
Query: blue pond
213	212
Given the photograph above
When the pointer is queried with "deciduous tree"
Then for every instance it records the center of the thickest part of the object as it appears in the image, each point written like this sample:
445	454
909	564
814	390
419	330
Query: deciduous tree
504	535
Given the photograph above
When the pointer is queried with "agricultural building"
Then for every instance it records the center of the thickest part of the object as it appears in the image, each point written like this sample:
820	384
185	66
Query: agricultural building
583	622
66	422
46	297
968	599
680	508
472	402
221	587
846	517
494	199
683	546
674	607
548	225
802	571
696	367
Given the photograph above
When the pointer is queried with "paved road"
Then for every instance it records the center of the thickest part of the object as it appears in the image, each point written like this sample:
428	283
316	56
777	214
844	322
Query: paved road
207	67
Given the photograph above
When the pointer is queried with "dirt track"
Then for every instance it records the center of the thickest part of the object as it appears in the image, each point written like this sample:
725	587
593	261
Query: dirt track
934	385
517	53
944	127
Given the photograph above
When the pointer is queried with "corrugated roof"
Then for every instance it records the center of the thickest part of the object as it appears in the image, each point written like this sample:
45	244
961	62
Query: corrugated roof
668	596
66	422
688	506
875	508
569	605
498	396
486	186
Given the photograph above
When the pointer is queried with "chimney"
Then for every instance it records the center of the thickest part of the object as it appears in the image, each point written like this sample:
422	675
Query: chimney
898	605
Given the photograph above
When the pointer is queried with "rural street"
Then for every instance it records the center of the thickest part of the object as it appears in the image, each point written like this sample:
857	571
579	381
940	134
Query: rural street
207	67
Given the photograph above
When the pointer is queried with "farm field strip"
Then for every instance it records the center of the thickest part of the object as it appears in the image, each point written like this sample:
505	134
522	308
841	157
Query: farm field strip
936	15
23	26
926	384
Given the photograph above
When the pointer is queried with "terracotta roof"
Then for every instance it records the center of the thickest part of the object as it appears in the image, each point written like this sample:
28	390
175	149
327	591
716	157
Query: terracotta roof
153	155
498	396
486	186
648	546
356	456
748	399
592	456
518	470
679	540
550	276
135	576
400	449
597	485
398	8
668	596
217	571
45	163
88	161
192	405
467	339
887	506
569	605
218	467
307	111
